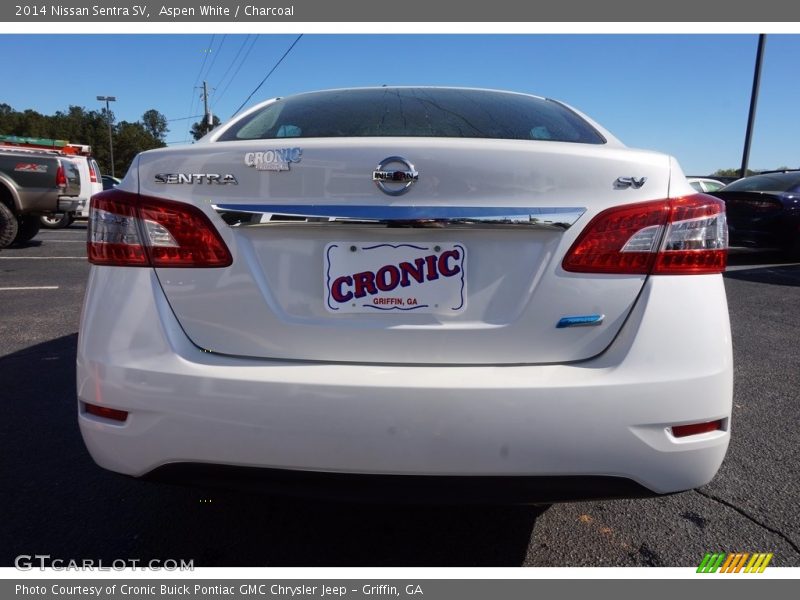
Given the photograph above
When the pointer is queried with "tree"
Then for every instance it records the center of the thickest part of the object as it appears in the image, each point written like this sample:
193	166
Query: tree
81	126
731	172
8	119
155	123
201	128
129	140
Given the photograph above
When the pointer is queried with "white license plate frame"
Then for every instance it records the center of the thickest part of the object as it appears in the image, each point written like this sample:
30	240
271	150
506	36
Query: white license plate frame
395	277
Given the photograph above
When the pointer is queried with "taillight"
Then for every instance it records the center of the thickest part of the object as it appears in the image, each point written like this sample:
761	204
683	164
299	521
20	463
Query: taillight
92	173
678	236
127	229
61	177
106	412
696	239
680	431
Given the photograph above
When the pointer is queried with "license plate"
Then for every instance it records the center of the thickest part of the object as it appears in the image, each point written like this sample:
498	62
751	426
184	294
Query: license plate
395	277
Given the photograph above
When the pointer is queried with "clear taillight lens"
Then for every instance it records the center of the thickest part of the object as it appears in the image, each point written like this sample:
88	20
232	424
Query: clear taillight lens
696	240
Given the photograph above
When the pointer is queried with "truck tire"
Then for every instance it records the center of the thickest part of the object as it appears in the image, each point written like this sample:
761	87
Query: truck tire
57	220
27	228
8	226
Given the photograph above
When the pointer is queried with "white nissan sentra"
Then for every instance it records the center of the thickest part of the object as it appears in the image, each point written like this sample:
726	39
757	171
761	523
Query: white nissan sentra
430	292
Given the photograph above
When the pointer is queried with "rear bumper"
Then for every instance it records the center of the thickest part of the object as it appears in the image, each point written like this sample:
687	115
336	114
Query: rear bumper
603	418
401	489
82	210
68	204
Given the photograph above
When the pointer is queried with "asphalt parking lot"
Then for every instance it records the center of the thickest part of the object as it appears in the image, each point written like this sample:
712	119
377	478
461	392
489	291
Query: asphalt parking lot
54	500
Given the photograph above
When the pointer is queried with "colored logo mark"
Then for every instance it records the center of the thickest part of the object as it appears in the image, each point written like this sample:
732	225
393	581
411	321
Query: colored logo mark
734	562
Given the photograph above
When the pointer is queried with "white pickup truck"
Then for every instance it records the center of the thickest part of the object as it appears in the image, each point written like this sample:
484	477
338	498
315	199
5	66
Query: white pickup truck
91	184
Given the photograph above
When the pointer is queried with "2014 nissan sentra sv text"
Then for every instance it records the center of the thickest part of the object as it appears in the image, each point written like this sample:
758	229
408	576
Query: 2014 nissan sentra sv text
427	293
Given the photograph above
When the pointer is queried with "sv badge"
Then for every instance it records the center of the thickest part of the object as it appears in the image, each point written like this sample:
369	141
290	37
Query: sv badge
623	183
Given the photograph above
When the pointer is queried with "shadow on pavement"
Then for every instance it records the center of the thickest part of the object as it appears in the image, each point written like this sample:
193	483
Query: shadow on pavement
789	275
34	243
56	501
768	266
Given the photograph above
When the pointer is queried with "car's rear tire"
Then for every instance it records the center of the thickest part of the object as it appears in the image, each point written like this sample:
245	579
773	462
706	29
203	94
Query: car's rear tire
57	220
27	228
8	226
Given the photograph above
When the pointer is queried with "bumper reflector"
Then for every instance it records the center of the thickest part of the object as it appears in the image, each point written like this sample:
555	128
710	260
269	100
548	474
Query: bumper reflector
106	412
697	428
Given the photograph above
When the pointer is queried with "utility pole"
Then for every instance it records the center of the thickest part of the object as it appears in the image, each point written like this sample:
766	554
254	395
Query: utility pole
108	99
209	118
762	39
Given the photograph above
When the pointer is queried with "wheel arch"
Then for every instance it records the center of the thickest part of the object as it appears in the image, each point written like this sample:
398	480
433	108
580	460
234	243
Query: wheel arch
8	194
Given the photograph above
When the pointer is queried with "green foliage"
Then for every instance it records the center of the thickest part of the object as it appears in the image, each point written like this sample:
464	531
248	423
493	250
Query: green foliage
81	126
735	172
155	123
201	128
731	172
129	140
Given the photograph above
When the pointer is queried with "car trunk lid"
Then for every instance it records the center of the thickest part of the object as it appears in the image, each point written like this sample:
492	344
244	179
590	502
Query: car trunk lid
462	268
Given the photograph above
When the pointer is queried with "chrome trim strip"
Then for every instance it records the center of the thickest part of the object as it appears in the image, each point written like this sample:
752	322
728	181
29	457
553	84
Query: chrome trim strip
548	218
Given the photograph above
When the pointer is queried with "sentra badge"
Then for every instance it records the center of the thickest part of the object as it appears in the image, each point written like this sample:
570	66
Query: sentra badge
193	178
276	159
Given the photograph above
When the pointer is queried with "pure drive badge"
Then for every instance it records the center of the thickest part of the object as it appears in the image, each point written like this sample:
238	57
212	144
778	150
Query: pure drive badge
276	159
208	178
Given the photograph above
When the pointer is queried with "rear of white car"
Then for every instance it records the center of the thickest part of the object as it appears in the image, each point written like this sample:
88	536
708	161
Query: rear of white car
445	287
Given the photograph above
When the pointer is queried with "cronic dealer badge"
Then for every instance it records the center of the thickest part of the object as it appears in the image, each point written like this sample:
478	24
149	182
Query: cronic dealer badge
276	159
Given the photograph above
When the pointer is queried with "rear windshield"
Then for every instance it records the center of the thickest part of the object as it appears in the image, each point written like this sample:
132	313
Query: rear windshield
414	112
776	182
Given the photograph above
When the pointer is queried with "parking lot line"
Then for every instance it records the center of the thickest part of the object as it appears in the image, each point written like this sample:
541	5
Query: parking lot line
39	287
766	266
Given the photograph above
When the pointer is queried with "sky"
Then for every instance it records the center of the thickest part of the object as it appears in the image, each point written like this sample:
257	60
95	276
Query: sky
686	95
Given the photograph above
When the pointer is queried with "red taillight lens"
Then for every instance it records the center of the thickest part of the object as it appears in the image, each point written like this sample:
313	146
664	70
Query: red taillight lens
92	173
666	237
127	229
679	431
106	412
619	240
180	235
61	177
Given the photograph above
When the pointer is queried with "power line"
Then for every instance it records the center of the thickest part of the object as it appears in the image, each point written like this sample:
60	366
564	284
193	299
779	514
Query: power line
184	118
192	108
216	54
197	79
233	62
271	71
205	58
233	77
